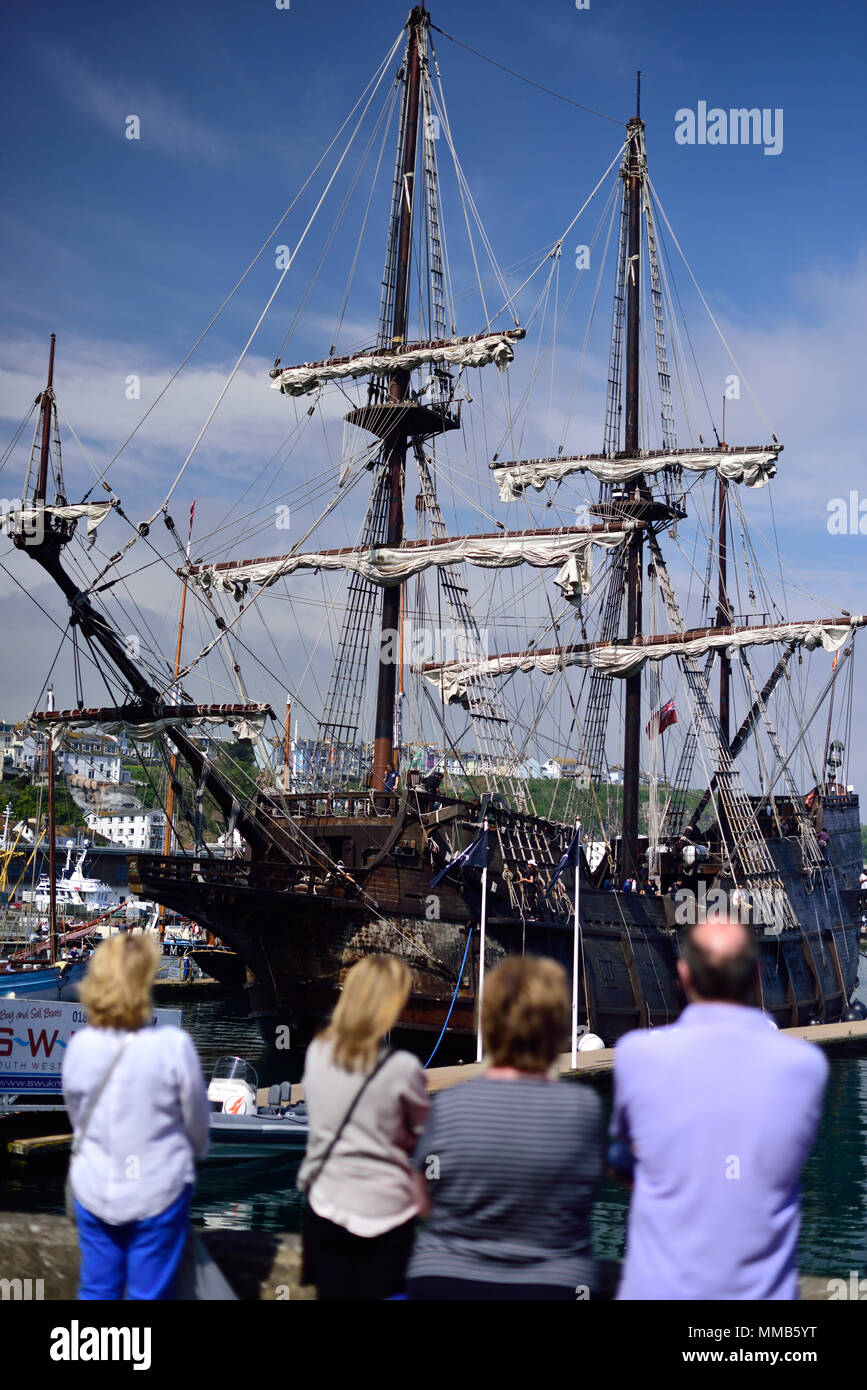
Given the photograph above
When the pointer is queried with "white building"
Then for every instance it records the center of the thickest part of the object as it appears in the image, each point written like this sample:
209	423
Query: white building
130	748
17	750
143	830
93	757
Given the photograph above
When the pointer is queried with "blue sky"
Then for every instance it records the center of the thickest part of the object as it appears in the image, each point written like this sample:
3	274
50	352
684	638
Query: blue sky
235	100
125	248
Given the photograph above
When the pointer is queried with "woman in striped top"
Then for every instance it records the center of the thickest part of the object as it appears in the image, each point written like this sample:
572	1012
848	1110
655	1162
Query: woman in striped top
509	1164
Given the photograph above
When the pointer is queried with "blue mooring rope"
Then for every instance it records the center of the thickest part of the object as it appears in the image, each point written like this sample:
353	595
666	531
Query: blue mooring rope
452	1004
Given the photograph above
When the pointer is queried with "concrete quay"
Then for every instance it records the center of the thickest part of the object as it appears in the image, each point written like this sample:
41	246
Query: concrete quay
260	1267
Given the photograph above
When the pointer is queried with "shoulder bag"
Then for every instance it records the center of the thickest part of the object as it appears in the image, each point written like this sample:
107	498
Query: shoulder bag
69	1200
306	1272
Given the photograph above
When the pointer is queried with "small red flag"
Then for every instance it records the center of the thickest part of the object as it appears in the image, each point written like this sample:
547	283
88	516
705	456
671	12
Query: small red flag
661	719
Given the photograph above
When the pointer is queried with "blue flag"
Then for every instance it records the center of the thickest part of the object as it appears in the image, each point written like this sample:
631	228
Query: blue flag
475	856
570	858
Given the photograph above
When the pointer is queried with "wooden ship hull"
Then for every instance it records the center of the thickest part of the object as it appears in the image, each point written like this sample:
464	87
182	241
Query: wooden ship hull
298	935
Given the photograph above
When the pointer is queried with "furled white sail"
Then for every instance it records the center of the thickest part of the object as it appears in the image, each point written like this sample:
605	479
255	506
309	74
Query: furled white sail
627	658
28	518
244	726
754	467
468	352
570	548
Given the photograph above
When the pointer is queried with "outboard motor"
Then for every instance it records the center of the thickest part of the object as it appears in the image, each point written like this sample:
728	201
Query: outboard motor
233	1087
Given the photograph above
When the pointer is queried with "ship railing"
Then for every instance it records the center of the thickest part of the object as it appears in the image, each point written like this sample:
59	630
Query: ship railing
226	873
356	805
331	805
838	800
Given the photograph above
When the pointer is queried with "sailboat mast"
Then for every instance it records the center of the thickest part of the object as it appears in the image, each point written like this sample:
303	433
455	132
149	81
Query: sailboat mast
634	625
383	746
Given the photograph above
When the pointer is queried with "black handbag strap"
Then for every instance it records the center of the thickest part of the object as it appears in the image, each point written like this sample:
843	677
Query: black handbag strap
347	1117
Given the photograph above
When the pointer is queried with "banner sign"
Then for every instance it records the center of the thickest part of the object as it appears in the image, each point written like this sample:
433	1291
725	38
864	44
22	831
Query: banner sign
34	1036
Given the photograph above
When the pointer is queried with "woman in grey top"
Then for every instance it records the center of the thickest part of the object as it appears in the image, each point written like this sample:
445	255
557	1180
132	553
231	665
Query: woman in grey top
367	1107
509	1164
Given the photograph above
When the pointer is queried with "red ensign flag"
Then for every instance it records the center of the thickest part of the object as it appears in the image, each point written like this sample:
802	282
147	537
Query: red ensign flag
661	720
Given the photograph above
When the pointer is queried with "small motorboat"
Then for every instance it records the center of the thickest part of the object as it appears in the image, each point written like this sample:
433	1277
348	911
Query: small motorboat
237	1118
35	981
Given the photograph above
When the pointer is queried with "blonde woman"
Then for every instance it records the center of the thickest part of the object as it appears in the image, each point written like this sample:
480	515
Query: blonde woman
137	1102
367	1106
509	1164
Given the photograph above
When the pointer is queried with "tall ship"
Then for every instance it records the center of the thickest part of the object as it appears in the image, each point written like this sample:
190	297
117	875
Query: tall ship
558	676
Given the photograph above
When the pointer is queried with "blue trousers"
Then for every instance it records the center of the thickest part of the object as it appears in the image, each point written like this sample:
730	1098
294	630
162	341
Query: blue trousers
138	1260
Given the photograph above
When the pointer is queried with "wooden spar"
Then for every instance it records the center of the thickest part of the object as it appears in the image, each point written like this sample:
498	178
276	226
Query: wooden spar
635	565
723	612
651	455
137	714
52	836
173	765
691	634
398	389
287	746
430	542
39	495
828	730
398	711
514	334
47	553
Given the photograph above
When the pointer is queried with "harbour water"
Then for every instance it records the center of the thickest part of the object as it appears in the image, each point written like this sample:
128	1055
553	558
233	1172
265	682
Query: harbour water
261	1195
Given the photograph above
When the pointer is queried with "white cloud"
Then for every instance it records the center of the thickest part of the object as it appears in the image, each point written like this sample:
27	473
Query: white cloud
110	100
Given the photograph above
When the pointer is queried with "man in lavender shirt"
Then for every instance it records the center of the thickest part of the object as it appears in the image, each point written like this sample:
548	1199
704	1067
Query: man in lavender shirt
720	1112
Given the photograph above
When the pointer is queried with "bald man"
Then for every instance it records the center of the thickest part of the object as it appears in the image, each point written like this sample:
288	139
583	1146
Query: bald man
720	1113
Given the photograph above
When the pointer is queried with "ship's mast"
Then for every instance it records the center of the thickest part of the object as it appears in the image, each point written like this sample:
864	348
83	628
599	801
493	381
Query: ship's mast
52	826
632	731
39	496
46	408
383	747
723	613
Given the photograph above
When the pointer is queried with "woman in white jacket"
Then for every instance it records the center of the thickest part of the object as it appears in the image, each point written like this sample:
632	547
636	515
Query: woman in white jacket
138	1104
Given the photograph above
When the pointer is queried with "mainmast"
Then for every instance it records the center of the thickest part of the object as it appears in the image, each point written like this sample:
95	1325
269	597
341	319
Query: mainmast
632	730
398	388
723	613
